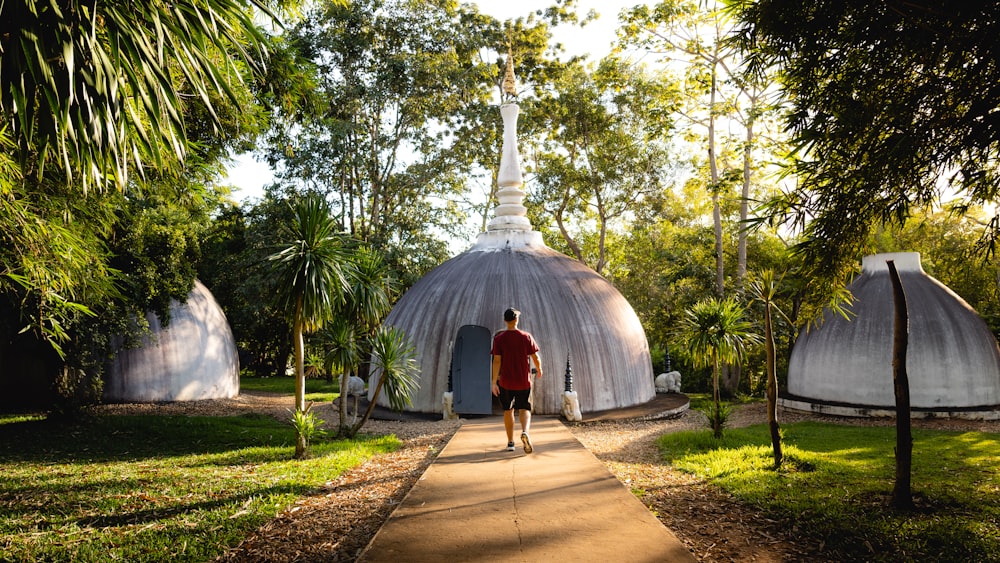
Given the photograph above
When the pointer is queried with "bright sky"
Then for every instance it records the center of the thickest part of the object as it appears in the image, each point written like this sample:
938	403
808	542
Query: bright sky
595	40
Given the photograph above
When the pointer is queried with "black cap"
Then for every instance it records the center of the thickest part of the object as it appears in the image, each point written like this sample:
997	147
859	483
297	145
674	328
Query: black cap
511	314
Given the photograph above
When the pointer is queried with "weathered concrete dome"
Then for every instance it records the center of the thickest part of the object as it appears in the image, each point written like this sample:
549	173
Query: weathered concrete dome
953	362
572	311
193	358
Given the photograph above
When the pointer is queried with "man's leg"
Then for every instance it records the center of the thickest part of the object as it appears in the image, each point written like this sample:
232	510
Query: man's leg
508	423
525	426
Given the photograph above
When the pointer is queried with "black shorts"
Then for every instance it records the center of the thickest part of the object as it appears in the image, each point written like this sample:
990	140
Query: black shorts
515	399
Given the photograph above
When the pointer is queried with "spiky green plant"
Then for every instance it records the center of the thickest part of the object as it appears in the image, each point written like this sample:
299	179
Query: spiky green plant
715	331
394	367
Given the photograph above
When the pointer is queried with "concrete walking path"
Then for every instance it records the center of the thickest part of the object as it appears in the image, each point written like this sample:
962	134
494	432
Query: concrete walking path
478	502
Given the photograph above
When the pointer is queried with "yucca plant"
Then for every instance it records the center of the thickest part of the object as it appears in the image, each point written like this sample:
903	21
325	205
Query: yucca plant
715	331
394	368
342	354
308	427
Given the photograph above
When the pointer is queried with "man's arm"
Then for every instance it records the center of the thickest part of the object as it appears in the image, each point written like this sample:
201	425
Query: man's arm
538	363
495	376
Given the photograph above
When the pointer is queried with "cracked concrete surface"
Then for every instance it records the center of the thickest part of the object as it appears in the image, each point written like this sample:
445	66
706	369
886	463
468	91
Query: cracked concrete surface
478	502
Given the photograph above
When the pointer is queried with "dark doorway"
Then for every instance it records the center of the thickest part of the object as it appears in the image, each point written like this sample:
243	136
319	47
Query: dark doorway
470	377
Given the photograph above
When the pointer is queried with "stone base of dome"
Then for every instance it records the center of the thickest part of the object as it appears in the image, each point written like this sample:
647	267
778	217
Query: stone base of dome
814	406
508	239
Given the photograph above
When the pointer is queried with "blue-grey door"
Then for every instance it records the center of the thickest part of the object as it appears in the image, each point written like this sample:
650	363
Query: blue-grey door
470	372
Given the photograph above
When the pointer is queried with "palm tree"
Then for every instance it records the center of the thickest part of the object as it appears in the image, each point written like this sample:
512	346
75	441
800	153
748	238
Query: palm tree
91	88
715	332
394	364
309	280
372	288
369	296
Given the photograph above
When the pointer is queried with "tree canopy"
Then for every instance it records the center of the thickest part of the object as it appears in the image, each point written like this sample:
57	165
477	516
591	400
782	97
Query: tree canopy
893	106
605	149
115	118
95	90
391	81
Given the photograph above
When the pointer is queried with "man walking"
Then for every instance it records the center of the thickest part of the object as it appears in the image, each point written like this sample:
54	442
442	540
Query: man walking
511	379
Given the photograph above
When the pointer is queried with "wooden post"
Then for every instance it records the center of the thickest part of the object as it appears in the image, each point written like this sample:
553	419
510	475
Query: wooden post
901	494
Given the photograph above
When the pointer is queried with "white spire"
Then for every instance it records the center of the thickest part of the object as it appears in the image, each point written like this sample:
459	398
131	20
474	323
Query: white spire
510	226
510	214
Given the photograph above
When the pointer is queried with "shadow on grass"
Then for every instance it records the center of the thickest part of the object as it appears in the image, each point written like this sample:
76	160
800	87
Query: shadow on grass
133	438
139	517
837	480
137	487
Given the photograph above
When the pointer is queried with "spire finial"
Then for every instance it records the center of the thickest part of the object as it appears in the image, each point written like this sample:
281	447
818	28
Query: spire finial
509	85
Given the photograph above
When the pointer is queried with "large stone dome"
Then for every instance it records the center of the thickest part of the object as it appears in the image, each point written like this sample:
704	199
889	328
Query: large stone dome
571	310
193	358
953	362
573	313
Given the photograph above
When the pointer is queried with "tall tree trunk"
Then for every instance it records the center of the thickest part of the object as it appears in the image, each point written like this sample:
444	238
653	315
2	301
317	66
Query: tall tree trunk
729	379
741	251
772	387
300	358
901	494
570	241
730	375
716	400
300	376
491	201
344	427
713	168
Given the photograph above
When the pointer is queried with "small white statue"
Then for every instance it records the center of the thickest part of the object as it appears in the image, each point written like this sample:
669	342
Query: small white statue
571	407
448	400
669	382
355	387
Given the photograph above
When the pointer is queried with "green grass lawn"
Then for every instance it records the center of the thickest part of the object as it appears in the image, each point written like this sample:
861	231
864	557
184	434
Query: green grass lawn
837	480
317	390
153	488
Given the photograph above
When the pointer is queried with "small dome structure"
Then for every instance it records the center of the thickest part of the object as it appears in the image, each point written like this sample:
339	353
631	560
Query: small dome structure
193	358
844	366
575	315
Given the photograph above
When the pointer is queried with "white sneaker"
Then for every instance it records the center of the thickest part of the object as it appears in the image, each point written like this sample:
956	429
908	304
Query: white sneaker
510	446
527	443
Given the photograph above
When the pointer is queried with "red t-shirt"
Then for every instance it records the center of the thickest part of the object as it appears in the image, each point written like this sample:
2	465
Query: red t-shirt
514	348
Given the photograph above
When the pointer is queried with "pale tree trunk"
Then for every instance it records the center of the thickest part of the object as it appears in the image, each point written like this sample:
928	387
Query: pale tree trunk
300	375
490	199
730	379
741	253
716	399
901	493
570	241
300	359
602	216
713	168
344	427
730	374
